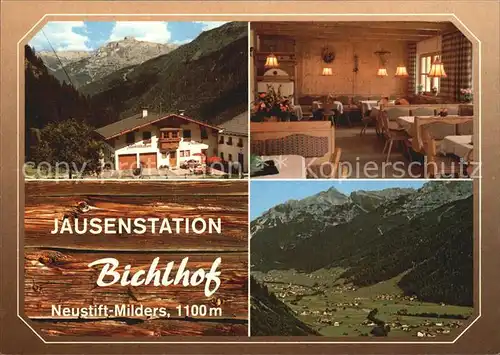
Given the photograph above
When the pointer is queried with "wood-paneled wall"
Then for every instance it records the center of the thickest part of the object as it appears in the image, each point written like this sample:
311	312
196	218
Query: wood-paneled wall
344	81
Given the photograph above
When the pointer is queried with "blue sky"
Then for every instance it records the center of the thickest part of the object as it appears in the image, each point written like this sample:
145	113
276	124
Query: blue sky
266	194
90	35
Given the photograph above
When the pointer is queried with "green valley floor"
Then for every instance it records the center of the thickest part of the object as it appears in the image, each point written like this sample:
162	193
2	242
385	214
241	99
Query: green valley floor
334	309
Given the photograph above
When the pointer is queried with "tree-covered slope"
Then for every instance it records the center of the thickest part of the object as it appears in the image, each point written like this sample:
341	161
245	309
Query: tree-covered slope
208	78
270	316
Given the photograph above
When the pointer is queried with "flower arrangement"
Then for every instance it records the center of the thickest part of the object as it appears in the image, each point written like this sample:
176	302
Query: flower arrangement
271	104
466	95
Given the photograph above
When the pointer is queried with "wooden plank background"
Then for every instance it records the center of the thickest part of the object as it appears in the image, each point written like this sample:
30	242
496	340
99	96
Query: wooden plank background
56	270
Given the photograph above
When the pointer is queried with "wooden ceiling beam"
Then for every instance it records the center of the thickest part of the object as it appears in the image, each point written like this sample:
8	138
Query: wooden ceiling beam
345	30
388	37
348	35
401	25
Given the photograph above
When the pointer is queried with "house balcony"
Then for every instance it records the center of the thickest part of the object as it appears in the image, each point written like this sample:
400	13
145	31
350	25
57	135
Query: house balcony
168	144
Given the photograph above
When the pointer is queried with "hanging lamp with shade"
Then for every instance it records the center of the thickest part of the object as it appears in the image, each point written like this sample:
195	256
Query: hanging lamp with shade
437	69
401	71
271	61
327	72
382	70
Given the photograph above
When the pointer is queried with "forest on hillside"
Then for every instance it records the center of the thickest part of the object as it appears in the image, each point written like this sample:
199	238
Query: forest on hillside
48	101
206	78
271	316
433	249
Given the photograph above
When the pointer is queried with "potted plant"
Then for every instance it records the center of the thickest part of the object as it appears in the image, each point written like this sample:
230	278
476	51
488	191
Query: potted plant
420	89
271	106
434	91
466	95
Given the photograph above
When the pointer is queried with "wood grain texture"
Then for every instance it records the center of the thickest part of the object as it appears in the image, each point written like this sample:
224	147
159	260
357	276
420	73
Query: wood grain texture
41	211
150	328
56	268
137	188
53	277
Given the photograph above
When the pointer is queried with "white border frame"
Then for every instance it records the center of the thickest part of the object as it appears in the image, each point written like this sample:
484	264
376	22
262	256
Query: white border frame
450	17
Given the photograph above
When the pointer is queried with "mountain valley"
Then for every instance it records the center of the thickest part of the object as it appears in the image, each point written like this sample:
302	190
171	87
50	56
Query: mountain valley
402	251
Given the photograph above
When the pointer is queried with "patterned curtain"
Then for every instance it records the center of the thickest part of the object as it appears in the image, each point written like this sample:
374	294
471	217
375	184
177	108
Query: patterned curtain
412	68
457	61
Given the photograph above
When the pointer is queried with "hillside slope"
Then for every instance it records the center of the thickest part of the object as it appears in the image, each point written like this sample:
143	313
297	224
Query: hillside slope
47	100
270	316
427	232
208	78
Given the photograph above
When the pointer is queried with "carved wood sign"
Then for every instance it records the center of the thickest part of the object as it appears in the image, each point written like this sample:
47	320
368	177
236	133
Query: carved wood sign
171	258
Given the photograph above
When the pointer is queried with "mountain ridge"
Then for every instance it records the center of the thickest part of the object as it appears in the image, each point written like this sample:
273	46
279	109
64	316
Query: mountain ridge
108	58
375	241
207	78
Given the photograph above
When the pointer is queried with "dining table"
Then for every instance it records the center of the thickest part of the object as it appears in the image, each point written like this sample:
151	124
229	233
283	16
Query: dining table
366	105
452	142
337	105
461	146
407	123
369	105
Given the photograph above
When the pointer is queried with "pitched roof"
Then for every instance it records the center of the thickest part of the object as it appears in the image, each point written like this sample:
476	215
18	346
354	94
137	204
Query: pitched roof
135	122
237	125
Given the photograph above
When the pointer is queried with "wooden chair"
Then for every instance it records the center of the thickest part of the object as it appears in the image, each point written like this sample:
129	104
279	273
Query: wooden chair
318	168
366	120
436	163
329	112
391	135
392	113
470	165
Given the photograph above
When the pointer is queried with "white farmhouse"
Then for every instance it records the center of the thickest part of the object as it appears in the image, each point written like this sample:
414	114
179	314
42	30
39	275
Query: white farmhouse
233	141
158	140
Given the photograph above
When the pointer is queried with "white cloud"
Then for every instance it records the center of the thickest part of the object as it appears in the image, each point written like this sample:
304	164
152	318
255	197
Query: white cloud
209	25
150	31
61	36
184	41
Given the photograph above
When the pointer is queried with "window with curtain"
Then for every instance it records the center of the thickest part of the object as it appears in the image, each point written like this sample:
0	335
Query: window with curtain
412	68
425	63
457	61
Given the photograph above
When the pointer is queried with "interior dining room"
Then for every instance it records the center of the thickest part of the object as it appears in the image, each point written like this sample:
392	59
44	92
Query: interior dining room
361	100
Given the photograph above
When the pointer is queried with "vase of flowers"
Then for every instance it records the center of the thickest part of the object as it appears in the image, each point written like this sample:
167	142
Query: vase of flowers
271	106
466	95
443	112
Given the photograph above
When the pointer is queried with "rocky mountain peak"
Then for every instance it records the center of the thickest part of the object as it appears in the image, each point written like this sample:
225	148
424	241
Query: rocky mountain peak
109	58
